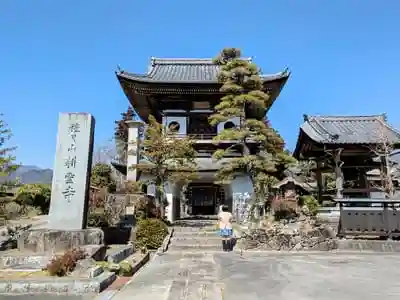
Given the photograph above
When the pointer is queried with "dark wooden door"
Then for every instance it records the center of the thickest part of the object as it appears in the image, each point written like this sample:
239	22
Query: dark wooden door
203	200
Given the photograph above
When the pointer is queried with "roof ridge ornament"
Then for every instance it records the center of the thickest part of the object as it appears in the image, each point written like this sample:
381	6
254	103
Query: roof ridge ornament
286	71
153	61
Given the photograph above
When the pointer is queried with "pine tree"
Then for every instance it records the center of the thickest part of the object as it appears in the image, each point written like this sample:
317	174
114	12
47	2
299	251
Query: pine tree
121	133
167	159
243	97
7	160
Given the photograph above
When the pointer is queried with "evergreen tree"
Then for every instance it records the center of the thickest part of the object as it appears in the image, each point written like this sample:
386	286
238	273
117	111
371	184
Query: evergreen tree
102	177
121	129
245	99
121	133
167	158
7	160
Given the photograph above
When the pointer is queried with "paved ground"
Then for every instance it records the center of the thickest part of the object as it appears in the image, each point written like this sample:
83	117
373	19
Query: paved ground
228	276
44	297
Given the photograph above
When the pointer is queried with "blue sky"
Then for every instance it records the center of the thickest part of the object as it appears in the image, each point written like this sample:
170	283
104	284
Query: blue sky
59	56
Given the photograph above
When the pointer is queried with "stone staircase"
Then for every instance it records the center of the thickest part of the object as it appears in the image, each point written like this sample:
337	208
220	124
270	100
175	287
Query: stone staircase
195	234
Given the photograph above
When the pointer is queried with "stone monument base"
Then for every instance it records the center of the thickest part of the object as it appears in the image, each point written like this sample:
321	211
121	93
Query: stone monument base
51	240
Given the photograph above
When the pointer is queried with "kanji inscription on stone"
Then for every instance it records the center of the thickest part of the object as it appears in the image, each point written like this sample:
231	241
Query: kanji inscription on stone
70	189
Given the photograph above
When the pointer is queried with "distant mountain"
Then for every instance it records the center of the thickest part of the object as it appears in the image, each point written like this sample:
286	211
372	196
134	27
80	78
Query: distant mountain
30	174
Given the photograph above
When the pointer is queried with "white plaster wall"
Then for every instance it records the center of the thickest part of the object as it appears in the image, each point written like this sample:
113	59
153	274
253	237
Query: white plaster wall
242	190
179	119
169	190
235	120
241	186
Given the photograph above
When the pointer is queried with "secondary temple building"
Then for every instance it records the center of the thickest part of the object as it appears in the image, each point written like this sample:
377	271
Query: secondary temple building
182	94
347	146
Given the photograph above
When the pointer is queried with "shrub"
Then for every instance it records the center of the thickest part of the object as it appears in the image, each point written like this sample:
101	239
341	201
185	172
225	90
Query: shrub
125	269
97	198
311	203
66	263
102	177
12	210
150	233
145	208
97	219
114	208
36	195
284	209
133	187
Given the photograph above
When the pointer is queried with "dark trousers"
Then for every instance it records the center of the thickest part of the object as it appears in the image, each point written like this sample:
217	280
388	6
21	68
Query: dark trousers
227	245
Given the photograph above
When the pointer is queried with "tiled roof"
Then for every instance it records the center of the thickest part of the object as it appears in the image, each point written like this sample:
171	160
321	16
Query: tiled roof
308	186
189	70
349	129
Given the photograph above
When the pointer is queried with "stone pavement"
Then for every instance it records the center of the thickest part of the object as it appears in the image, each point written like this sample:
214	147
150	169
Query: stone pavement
44	297
256	276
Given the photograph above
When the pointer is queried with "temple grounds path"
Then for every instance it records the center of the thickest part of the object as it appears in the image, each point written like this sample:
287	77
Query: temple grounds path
255	276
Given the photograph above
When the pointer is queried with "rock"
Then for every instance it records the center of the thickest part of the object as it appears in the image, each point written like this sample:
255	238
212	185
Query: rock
294	234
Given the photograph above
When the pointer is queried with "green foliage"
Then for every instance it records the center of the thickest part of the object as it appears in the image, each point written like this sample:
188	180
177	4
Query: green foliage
35	195
121	128
63	265
12	210
121	132
167	158
124	267
284	209
133	187
150	233
146	208
102	177
7	160
311	203
97	219
244	97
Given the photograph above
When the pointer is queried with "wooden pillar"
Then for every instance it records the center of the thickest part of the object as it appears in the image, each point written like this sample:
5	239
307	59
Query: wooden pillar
338	173
319	180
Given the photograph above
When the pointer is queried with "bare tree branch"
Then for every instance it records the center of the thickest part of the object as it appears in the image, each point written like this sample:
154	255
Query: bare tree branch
383	150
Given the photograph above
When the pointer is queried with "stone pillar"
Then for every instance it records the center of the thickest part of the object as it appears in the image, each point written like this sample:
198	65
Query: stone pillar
169	197
72	168
133	156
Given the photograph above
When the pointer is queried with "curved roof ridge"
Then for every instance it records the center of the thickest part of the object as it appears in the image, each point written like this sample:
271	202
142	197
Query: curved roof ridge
320	129
184	60
348	117
180	60
383	121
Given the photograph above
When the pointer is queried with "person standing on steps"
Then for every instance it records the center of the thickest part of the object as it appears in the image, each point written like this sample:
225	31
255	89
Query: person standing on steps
225	228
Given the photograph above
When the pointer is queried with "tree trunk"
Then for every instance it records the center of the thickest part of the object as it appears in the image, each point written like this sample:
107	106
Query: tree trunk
158	197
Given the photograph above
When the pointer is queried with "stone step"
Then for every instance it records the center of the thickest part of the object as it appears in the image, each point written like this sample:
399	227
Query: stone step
204	247
200	234
196	242
195	229
201	238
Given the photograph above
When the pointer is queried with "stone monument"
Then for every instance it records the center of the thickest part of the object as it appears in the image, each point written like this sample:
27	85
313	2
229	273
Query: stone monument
71	175
70	190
